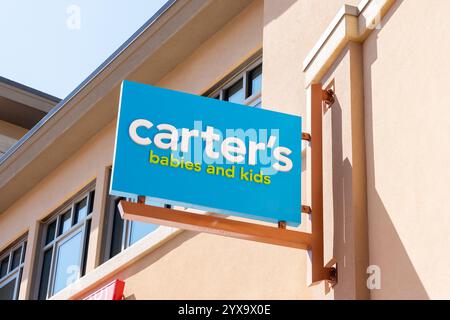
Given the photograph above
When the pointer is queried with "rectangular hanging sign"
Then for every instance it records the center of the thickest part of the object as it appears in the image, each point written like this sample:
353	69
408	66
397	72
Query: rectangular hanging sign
191	151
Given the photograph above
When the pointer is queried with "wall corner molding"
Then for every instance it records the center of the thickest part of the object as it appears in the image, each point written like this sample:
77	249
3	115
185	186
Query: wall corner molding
352	23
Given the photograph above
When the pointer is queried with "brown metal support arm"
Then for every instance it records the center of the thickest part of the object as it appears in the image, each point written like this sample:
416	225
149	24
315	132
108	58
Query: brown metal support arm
215	225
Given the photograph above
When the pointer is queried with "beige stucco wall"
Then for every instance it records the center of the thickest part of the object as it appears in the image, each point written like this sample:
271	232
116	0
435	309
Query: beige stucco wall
382	88
406	73
202	266
221	54
345	213
389	109
191	265
291	29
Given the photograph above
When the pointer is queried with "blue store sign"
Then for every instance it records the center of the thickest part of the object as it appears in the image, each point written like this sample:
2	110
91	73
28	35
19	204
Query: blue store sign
197	152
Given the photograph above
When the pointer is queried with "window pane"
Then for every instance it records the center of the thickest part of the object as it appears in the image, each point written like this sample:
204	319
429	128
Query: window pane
7	291
117	231
236	93
140	230
256	80
87	231
51	230
24	252
91	200
45	275
4	267
68	262
15	259
150	202
81	210
65	223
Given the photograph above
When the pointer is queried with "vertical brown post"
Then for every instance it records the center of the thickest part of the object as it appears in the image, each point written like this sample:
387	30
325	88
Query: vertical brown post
318	271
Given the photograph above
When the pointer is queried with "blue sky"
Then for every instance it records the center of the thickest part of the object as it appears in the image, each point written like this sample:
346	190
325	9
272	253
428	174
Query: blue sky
53	45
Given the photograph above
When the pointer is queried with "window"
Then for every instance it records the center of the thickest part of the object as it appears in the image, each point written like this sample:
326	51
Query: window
120	233
64	245
11	267
235	93
243	86
123	233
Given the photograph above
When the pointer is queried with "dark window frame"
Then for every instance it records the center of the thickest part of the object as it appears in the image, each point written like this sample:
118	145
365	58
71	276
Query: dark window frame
14	274
58	240
110	216
242	73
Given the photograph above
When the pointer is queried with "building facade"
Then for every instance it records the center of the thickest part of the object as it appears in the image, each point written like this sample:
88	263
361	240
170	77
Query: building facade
384	156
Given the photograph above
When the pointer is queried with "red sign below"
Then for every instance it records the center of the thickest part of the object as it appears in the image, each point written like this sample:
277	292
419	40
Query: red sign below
112	291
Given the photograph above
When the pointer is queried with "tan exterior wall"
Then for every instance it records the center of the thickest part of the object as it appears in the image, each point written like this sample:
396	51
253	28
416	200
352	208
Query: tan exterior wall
384	170
407	132
201	266
345	214
291	28
221	54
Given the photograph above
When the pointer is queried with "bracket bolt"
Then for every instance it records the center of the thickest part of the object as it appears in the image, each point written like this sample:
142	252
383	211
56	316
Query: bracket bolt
333	276
328	96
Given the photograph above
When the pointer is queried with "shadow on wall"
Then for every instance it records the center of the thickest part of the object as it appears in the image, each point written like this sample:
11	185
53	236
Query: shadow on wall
399	279
342	180
281	7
